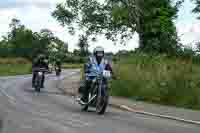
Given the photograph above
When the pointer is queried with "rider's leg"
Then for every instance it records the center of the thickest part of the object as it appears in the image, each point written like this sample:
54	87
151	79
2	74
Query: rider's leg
43	79
33	79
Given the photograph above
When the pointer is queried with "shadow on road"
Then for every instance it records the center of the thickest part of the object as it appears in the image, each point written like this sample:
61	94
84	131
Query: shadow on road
46	92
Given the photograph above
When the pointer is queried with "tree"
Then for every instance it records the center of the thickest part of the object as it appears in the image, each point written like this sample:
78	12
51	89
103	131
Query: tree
198	46
43	41
83	45
58	49
46	37
188	52
76	52
19	39
47	34
15	23
196	8
23	42
152	20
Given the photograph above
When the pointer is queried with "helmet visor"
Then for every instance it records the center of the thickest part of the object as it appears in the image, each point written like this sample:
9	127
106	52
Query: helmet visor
100	54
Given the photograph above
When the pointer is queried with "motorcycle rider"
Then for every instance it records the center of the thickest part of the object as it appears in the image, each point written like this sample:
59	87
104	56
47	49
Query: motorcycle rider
39	62
95	63
58	65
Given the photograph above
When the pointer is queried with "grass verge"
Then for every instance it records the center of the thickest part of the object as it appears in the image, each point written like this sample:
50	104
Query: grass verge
14	66
158	80
14	69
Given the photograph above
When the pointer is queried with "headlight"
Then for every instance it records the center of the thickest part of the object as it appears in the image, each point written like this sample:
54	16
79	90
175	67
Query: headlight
40	73
106	74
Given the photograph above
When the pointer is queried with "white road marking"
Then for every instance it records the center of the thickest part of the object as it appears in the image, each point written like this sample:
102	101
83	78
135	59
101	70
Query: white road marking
158	115
11	99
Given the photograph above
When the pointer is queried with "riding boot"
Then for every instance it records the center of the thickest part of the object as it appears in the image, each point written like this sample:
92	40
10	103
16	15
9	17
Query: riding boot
43	78
33	79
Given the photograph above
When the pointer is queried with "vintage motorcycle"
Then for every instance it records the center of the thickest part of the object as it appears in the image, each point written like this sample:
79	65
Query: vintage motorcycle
98	94
38	80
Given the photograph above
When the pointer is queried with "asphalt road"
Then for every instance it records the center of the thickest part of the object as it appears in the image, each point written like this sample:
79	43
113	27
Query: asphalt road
24	111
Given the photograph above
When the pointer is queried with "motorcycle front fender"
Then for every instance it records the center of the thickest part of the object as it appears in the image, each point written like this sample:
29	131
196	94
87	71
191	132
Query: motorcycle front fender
104	89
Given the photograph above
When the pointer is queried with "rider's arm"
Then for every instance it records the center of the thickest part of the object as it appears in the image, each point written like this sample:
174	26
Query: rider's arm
46	65
34	65
109	68
87	66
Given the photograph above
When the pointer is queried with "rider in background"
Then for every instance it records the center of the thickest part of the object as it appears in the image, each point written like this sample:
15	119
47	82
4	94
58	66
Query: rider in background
96	62
39	62
58	65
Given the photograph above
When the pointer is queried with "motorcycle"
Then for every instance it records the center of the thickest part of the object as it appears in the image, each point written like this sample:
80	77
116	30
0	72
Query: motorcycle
57	71
98	94
38	80
50	68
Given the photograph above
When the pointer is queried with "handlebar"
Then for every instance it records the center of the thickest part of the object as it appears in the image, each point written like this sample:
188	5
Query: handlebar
40	69
97	74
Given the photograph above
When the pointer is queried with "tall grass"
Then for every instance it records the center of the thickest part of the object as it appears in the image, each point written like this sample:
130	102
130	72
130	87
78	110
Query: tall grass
14	61
158	79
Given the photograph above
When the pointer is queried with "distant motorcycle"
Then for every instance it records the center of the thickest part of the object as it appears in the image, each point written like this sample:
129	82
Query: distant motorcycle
50	68
38	80
58	71
99	93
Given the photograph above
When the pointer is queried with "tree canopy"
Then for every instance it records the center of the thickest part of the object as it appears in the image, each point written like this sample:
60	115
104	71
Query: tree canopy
196	9
23	42
120	19
83	45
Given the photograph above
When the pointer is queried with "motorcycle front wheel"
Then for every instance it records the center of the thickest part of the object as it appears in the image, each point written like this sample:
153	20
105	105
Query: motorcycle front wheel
85	107
38	84
101	105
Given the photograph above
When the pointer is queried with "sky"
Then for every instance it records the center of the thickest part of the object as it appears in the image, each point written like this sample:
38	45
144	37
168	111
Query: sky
36	15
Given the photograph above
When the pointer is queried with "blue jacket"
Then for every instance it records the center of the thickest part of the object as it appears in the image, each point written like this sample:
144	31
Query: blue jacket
91	67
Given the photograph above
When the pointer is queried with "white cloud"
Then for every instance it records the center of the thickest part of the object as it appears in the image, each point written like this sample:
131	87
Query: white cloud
188	26
5	18
189	33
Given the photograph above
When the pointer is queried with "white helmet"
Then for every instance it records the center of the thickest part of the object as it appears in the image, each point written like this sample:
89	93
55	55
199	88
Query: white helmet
98	49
